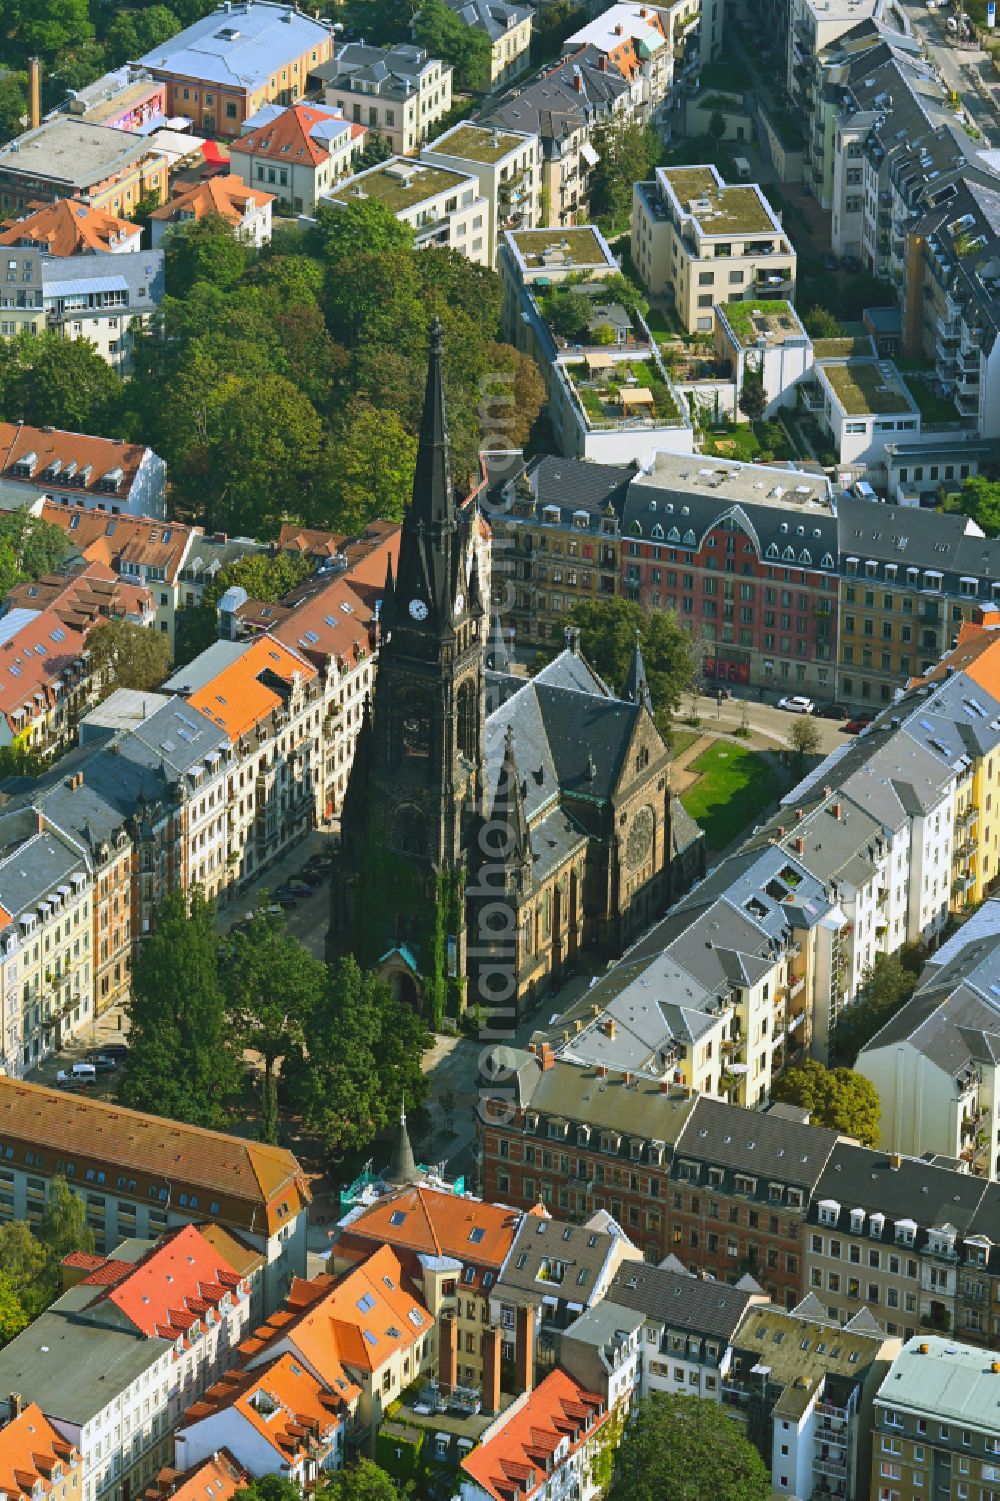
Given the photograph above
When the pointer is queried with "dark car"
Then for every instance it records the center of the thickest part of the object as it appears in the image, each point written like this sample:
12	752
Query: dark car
114	1050
103	1063
851	264
833	711
861	722
286	897
828	261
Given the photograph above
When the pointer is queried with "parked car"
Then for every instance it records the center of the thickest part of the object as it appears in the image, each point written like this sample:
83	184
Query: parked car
73	1082
859	723
851	264
797	704
828	261
102	1063
833	711
83	1072
116	1050
285	896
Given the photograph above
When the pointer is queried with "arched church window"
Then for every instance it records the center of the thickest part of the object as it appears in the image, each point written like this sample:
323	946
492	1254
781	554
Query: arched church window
410	832
466	716
416	723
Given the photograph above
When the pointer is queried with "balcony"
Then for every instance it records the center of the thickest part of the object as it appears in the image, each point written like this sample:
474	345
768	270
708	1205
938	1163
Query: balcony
831	1410
826	1464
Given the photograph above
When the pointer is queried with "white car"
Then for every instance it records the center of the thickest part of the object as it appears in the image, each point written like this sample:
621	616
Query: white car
797	704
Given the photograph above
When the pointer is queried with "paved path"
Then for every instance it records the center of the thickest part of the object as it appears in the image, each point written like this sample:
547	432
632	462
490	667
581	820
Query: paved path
954	63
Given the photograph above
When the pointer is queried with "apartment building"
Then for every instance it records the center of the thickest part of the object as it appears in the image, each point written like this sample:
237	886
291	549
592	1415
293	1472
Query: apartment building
84	595
444	208
451	1249
105	299
71	227
689	1329
21	307
114	1159
399	91
864	403
296	154
899	1235
65	468
507	164
809	1386
223	68
556	539
246	209
935	1423
561	106
508	28
364	1325
177	1288
833	169
764	340
640	42
549	1437
746	555
108	169
687	219
220	1476
35	1459
611	398
926	574
43	692
814	28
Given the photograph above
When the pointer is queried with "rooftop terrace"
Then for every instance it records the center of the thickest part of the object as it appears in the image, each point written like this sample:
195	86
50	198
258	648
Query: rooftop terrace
868	388
622	393
731	210
554	249
754	321
400	184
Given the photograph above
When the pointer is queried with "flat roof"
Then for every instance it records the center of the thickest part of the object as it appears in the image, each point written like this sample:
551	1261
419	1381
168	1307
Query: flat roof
731	480
732	209
477	143
946	1379
756	320
539	249
73	151
401	184
868	387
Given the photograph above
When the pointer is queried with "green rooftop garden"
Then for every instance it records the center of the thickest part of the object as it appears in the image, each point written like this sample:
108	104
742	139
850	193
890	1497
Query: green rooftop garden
400	186
580	246
734	210
932	407
864	390
477	143
758	318
601	395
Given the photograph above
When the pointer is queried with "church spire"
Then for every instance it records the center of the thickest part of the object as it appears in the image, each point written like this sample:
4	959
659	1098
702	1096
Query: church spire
497	655
637	684
386	608
508	808
432	493
402	1169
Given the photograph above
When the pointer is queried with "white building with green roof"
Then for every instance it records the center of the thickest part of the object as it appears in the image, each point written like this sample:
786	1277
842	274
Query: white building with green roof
442	206
507	164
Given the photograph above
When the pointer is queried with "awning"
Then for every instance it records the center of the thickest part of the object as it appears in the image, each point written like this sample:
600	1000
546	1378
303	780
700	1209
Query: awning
589	155
636	396
598	361
552	1302
213	152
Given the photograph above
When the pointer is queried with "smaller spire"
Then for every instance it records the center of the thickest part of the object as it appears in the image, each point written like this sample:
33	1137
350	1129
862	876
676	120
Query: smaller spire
497	655
387	607
508	807
402	1169
637	684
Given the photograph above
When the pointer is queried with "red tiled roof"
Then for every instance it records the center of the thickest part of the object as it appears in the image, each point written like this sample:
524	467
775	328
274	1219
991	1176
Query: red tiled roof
180	1281
101	455
289	136
68	227
281	1401
437	1223
216	1478
84	596
240	696
123	539
30	1450
227	196
32	663
515	1456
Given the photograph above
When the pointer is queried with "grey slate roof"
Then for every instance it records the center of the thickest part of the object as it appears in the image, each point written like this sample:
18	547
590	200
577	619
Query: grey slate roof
653	1004
140	275
388	72
861	1179
584	1252
551	105
761	1145
915	538
31	870
495	17
680	1300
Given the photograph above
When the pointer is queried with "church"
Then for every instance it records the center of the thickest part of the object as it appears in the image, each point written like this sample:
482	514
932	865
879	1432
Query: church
498	831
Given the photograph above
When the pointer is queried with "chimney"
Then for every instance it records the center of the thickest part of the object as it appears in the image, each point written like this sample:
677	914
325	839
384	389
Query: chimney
610	1028
602	1071
800	814
491	1370
39	822
578	83
547	1057
34	92
836	810
524	1357
447	1351
925	1349
895	1162
781	831
603	62
800	846
628	1079
827	791
15	1404
666	1085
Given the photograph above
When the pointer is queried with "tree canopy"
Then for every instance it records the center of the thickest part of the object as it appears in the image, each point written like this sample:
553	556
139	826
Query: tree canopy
49	381
467	48
363	1481
126	655
979	498
885	988
835	1097
607	640
627	154
680	1446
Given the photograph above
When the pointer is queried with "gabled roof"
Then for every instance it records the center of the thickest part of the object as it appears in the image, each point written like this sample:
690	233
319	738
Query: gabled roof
435	1222
304	134
32	663
179	1282
123	539
69	227
84	595
763	1145
228	196
218	1478
680	1300
47	458
519	1450
281	1401
252	687
32	1452
358	1322
241	48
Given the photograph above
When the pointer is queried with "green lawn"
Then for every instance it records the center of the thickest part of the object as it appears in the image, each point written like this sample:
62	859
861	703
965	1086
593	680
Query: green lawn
758	442
680	740
933	408
734	787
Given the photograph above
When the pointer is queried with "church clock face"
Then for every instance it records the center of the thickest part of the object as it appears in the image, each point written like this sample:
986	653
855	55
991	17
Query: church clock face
640	838
418	609
459	603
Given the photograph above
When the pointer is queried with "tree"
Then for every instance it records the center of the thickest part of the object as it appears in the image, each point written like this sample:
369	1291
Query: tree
467	48
358	226
13	104
679	1446
271	1488
376	457
64	1225
363	1059
49	381
803	736
181	1062
886	986
607	639
204	250
26	1268
569	312
377	148
29	547
838	1098
978	498
821	324
753	397
717	126
47	28
13	1317
125	655
628	153
364	1481
272	986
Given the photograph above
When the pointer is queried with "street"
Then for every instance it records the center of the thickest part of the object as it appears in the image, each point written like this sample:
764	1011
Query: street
956	64
762	719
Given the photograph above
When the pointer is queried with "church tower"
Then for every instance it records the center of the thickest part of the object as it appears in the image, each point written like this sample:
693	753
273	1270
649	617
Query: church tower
416	786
